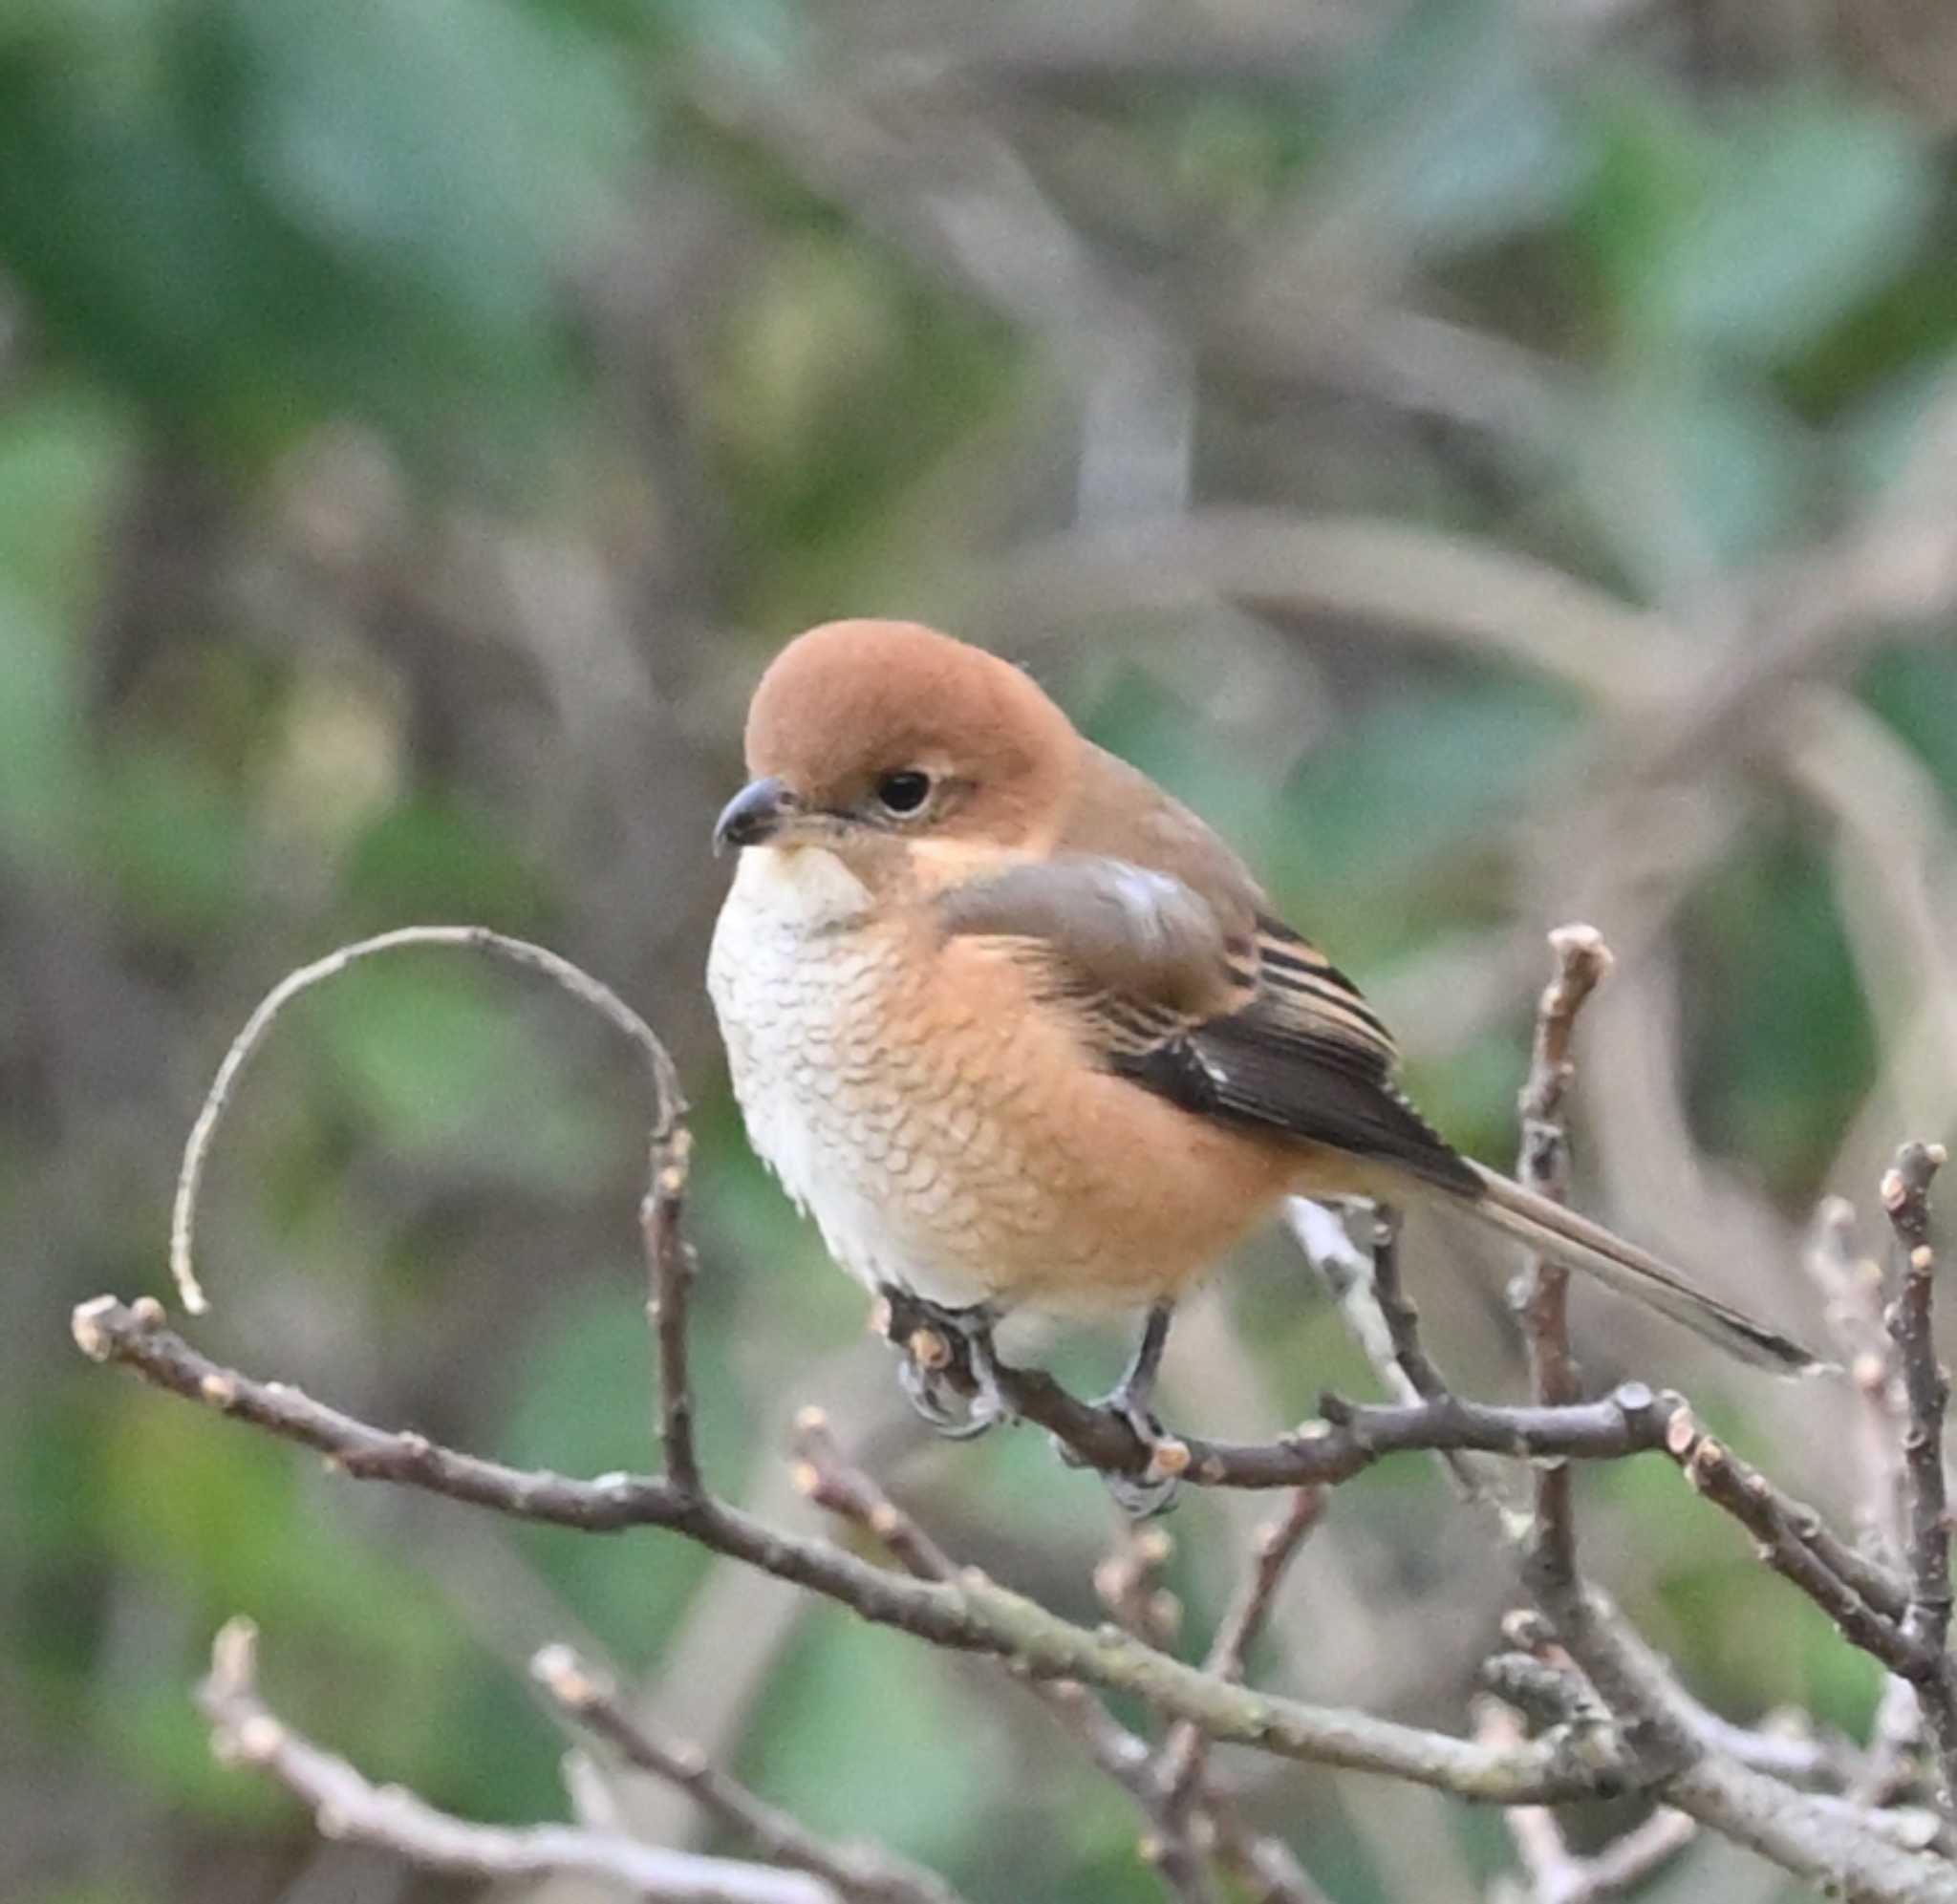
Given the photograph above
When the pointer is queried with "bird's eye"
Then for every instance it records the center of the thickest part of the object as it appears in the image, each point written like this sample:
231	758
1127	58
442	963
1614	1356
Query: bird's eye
904	792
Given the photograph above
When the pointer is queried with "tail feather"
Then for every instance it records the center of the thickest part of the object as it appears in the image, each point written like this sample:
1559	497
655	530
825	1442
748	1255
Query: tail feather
1578	1244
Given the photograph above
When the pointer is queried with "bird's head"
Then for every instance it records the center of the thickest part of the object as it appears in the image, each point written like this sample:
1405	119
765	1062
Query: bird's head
874	739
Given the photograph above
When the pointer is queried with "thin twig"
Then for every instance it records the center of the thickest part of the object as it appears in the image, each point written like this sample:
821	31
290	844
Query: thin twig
1180	1762
1831	1843
842	1487
857	1872
1348	1439
1557	1874
1851	1285
1128	1583
1277	1542
1784	1518
1263	1865
1541	1299
672	1267
669	1100
1863	1598
1626	1861
838	1484
1398	1310
1926	1619
347	1807
1180	1774
1582	961
1382	1316
1350	1436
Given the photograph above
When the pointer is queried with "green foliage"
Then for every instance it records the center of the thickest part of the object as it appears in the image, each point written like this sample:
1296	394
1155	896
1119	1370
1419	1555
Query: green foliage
253	217
1753	233
1785	1044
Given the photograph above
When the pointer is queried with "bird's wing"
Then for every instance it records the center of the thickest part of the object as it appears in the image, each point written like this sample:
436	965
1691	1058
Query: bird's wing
1221	1009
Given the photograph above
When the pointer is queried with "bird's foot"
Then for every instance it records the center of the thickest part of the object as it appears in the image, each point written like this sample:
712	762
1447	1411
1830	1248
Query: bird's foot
1152	1490
946	1366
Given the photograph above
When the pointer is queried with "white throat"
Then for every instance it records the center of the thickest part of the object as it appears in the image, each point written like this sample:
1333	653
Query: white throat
799	889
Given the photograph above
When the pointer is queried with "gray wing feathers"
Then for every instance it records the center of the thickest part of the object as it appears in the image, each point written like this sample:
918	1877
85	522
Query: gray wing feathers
1109	926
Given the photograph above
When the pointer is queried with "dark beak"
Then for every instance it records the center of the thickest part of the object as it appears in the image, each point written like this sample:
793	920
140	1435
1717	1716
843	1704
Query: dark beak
753	815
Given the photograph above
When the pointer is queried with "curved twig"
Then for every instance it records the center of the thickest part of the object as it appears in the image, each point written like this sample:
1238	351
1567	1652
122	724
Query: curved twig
669	1100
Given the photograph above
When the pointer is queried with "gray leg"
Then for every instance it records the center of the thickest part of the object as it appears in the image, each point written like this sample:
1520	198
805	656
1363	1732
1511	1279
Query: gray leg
1129	1397
1146	1493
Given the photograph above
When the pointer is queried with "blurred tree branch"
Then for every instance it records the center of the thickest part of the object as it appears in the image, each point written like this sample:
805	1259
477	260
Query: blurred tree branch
1633	1727
246	1732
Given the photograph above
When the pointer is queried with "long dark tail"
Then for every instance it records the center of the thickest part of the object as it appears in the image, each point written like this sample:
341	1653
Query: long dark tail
1578	1244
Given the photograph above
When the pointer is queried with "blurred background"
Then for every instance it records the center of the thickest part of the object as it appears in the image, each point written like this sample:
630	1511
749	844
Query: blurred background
1495	459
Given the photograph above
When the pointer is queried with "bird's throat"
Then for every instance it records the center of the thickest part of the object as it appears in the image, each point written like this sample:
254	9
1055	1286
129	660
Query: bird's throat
799	888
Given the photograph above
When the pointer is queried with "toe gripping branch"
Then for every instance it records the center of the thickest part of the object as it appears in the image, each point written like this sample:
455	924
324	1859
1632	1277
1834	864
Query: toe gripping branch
946	1366
951	1374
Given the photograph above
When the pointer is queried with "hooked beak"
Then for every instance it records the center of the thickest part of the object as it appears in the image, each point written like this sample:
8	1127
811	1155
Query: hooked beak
755	814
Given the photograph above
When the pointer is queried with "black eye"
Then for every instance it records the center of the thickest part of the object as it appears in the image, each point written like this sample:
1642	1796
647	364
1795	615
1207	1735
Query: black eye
905	792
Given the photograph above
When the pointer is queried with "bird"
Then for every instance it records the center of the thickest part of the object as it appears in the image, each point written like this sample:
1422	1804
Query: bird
1020	1032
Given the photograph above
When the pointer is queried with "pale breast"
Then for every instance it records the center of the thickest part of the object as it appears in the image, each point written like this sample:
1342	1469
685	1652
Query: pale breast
878	1141
946	1137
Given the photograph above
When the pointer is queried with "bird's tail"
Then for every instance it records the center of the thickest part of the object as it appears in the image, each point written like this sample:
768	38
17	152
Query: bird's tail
1578	1244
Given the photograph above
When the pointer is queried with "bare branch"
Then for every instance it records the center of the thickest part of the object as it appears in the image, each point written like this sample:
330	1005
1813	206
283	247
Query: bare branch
1626	1862
1127	1583
1585	1755
1864	1599
1582	962
1828	1842
836	1484
1398	1310
669	1100
1277	1543
854	1871
1852	1286
1859	1853
672	1265
1350	1436
1181	1767
346	1807
1263	1865
1381	1316
1926	1619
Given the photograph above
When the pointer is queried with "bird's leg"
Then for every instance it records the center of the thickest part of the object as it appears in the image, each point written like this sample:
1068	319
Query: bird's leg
1154	1490
1129	1397
947	1368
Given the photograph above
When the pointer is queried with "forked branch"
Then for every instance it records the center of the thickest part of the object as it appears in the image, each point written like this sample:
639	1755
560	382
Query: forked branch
1629	1725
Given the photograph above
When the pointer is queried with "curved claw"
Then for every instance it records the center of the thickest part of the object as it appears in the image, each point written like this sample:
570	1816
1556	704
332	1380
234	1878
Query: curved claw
1154	1490
1142	1496
939	1402
945	1364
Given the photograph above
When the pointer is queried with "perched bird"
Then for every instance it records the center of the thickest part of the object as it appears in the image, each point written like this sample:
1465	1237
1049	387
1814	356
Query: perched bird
1021	1031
